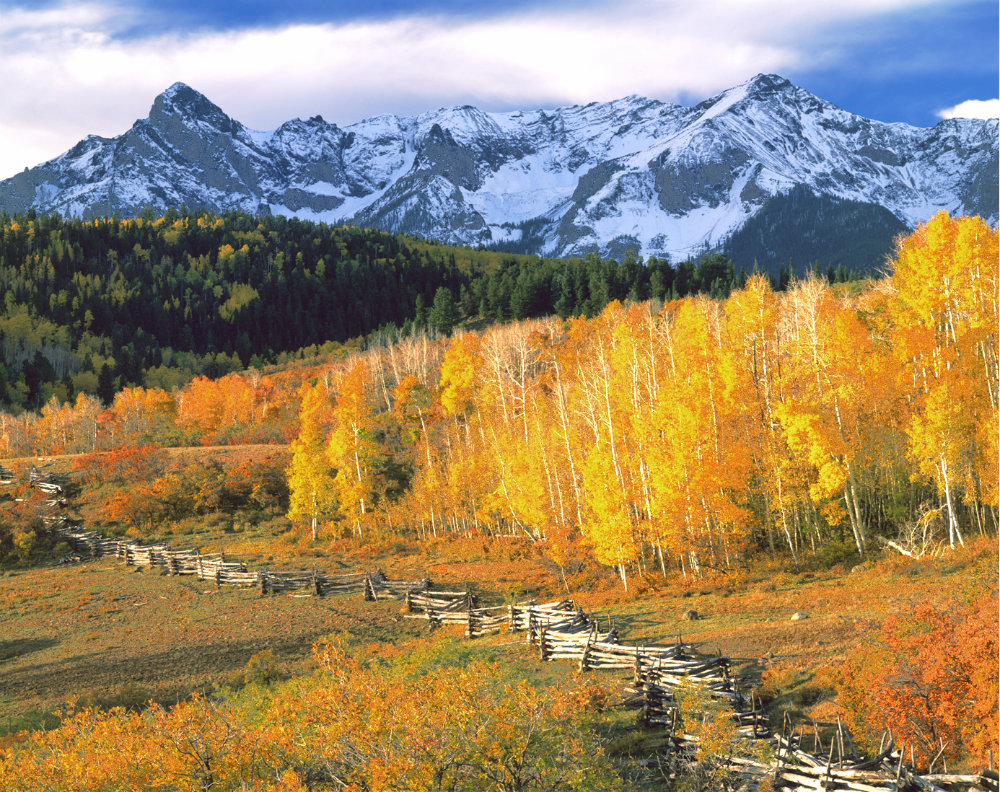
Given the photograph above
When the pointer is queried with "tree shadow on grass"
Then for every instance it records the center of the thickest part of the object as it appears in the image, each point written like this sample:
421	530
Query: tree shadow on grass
22	646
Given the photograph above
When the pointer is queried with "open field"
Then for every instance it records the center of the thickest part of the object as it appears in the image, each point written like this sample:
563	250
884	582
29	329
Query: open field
112	634
106	634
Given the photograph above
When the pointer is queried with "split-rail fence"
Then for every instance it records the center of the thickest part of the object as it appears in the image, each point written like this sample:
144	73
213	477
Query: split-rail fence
563	631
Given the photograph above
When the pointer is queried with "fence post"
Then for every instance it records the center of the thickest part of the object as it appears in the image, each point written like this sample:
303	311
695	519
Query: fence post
218	577
541	643
317	584
201	573
409	600
512	627
471	629
262	582
586	652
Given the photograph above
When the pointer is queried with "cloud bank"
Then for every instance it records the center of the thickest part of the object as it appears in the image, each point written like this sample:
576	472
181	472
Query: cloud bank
973	108
95	67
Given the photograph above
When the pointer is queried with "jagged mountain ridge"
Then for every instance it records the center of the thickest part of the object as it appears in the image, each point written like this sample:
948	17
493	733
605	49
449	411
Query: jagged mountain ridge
659	178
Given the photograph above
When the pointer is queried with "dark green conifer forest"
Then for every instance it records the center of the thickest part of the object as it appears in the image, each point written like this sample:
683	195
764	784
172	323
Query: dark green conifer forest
95	306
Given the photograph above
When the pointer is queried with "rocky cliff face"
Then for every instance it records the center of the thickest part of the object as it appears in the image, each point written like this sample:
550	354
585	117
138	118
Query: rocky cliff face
636	173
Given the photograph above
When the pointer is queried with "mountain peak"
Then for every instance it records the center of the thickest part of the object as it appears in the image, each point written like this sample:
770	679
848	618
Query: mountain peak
634	173
763	84
181	100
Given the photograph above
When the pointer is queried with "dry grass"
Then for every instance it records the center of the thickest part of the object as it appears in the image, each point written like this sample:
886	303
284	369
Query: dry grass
100	630
106	633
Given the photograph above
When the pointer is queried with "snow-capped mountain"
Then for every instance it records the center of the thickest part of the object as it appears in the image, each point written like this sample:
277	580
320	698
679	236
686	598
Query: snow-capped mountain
658	178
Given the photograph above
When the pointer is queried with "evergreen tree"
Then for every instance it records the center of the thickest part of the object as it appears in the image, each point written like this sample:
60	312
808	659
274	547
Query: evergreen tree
443	315
105	385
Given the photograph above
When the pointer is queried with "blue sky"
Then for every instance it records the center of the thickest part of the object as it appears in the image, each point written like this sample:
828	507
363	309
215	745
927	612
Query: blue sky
71	69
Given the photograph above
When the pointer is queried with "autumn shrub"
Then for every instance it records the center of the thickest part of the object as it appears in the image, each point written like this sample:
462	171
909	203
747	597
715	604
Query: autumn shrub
710	721
24	538
123	464
832	553
930	676
356	723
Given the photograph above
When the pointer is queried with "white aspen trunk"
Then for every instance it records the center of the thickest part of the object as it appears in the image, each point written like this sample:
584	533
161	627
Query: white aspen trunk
953	530
853	519
561	401
862	533
621	572
784	523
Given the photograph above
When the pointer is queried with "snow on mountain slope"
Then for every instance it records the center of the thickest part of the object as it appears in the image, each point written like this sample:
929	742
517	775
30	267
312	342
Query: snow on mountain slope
633	173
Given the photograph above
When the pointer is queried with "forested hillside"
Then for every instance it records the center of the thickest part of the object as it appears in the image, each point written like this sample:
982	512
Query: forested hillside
815	423
94	307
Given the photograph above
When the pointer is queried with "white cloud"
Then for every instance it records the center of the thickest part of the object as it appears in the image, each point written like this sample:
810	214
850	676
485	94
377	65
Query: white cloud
973	108
68	71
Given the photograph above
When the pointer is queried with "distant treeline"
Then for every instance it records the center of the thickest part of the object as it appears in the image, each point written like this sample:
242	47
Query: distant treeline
95	306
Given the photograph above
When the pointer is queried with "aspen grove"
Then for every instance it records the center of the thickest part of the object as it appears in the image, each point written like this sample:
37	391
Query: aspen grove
819	420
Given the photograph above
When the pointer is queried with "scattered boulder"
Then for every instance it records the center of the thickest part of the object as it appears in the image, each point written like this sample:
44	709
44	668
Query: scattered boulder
690	615
799	616
857	568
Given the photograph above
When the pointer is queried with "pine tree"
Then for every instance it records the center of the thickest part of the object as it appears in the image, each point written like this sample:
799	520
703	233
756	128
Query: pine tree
443	315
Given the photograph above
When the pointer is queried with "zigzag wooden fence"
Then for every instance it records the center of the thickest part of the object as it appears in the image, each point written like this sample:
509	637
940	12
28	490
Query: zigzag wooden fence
562	631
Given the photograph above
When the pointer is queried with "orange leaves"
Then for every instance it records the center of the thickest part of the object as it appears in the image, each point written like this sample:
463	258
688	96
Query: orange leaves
194	745
929	676
211	406
125	464
356	724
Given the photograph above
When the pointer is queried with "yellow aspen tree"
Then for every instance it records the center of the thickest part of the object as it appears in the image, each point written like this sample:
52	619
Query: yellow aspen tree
312	495
825	411
699	462
752	372
353	448
413	405
945	311
471	466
